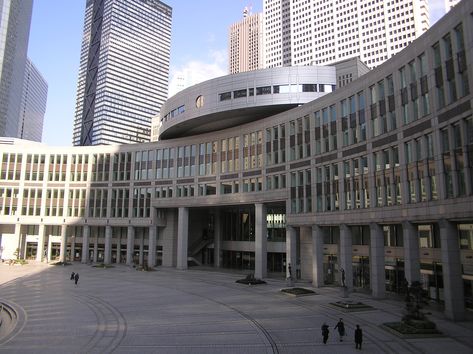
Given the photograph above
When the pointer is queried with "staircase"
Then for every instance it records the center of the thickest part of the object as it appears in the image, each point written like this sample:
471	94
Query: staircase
195	249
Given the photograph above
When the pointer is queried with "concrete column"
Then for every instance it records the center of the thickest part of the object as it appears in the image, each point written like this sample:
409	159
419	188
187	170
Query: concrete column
378	287
152	246
291	250
169	239
384	201
439	169
411	252
217	239
130	242
107	257
73	248
118	246
96	247
182	237
467	170
405	193
40	249
346	256
352	190
141	257
85	243
260	241
63	249
317	256
304	254
49	249
17	242
452	271
341	187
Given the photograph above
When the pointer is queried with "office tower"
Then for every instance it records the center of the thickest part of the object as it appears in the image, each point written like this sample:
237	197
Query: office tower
246	43
124	68
277	33
449	4
326	31
33	104
15	20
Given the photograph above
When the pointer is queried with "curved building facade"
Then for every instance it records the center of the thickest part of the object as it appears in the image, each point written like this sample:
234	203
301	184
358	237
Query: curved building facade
236	99
375	178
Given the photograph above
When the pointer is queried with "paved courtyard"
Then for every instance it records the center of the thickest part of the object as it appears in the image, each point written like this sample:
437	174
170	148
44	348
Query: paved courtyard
122	310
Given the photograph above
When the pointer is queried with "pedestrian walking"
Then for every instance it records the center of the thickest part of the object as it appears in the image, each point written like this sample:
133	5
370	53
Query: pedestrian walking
325	332
341	329
72	275
358	337
76	278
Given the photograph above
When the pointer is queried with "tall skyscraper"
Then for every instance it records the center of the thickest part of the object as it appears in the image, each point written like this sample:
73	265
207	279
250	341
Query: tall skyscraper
246	43
33	104
277	33
305	32
15	20
124	69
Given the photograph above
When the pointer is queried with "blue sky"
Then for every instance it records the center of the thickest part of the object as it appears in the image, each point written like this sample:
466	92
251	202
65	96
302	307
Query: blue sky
198	44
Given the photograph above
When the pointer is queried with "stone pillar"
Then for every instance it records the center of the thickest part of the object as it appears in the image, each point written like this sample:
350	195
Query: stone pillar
130	242
152	246
346	256
304	254
317	256
217	239
378	287
405	186
49	249
17	242
96	247
467	170
182	237
63	249
73	248
439	169
40	249
85	243
141	257
260	241
107	257
452	271
291	251
118	246
411	252
169	239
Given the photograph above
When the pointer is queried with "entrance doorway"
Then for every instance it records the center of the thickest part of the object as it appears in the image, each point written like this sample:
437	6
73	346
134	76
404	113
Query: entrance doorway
31	250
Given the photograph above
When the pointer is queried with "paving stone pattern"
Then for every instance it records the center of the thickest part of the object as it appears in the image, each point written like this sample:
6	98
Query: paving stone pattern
198	311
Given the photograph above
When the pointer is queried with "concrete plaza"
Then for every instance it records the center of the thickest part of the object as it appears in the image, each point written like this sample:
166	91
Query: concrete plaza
122	310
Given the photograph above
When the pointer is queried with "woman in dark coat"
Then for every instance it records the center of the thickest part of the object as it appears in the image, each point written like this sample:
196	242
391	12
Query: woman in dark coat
358	337
341	329
325	332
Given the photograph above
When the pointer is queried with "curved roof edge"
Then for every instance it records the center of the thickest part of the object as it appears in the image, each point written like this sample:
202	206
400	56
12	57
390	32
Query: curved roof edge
240	98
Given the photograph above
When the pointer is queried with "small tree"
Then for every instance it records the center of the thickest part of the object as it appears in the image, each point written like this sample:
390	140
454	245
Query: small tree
414	302
17	253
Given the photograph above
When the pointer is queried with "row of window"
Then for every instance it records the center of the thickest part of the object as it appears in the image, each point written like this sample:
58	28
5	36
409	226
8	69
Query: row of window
268	90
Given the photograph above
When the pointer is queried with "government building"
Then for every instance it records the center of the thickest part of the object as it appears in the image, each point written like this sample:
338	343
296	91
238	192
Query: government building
255	171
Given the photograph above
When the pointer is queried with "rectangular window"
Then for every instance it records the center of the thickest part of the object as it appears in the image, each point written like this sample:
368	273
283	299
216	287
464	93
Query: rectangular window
264	90
239	93
309	88
225	96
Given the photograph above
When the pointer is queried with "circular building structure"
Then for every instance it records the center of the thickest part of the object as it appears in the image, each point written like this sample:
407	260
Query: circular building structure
233	100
